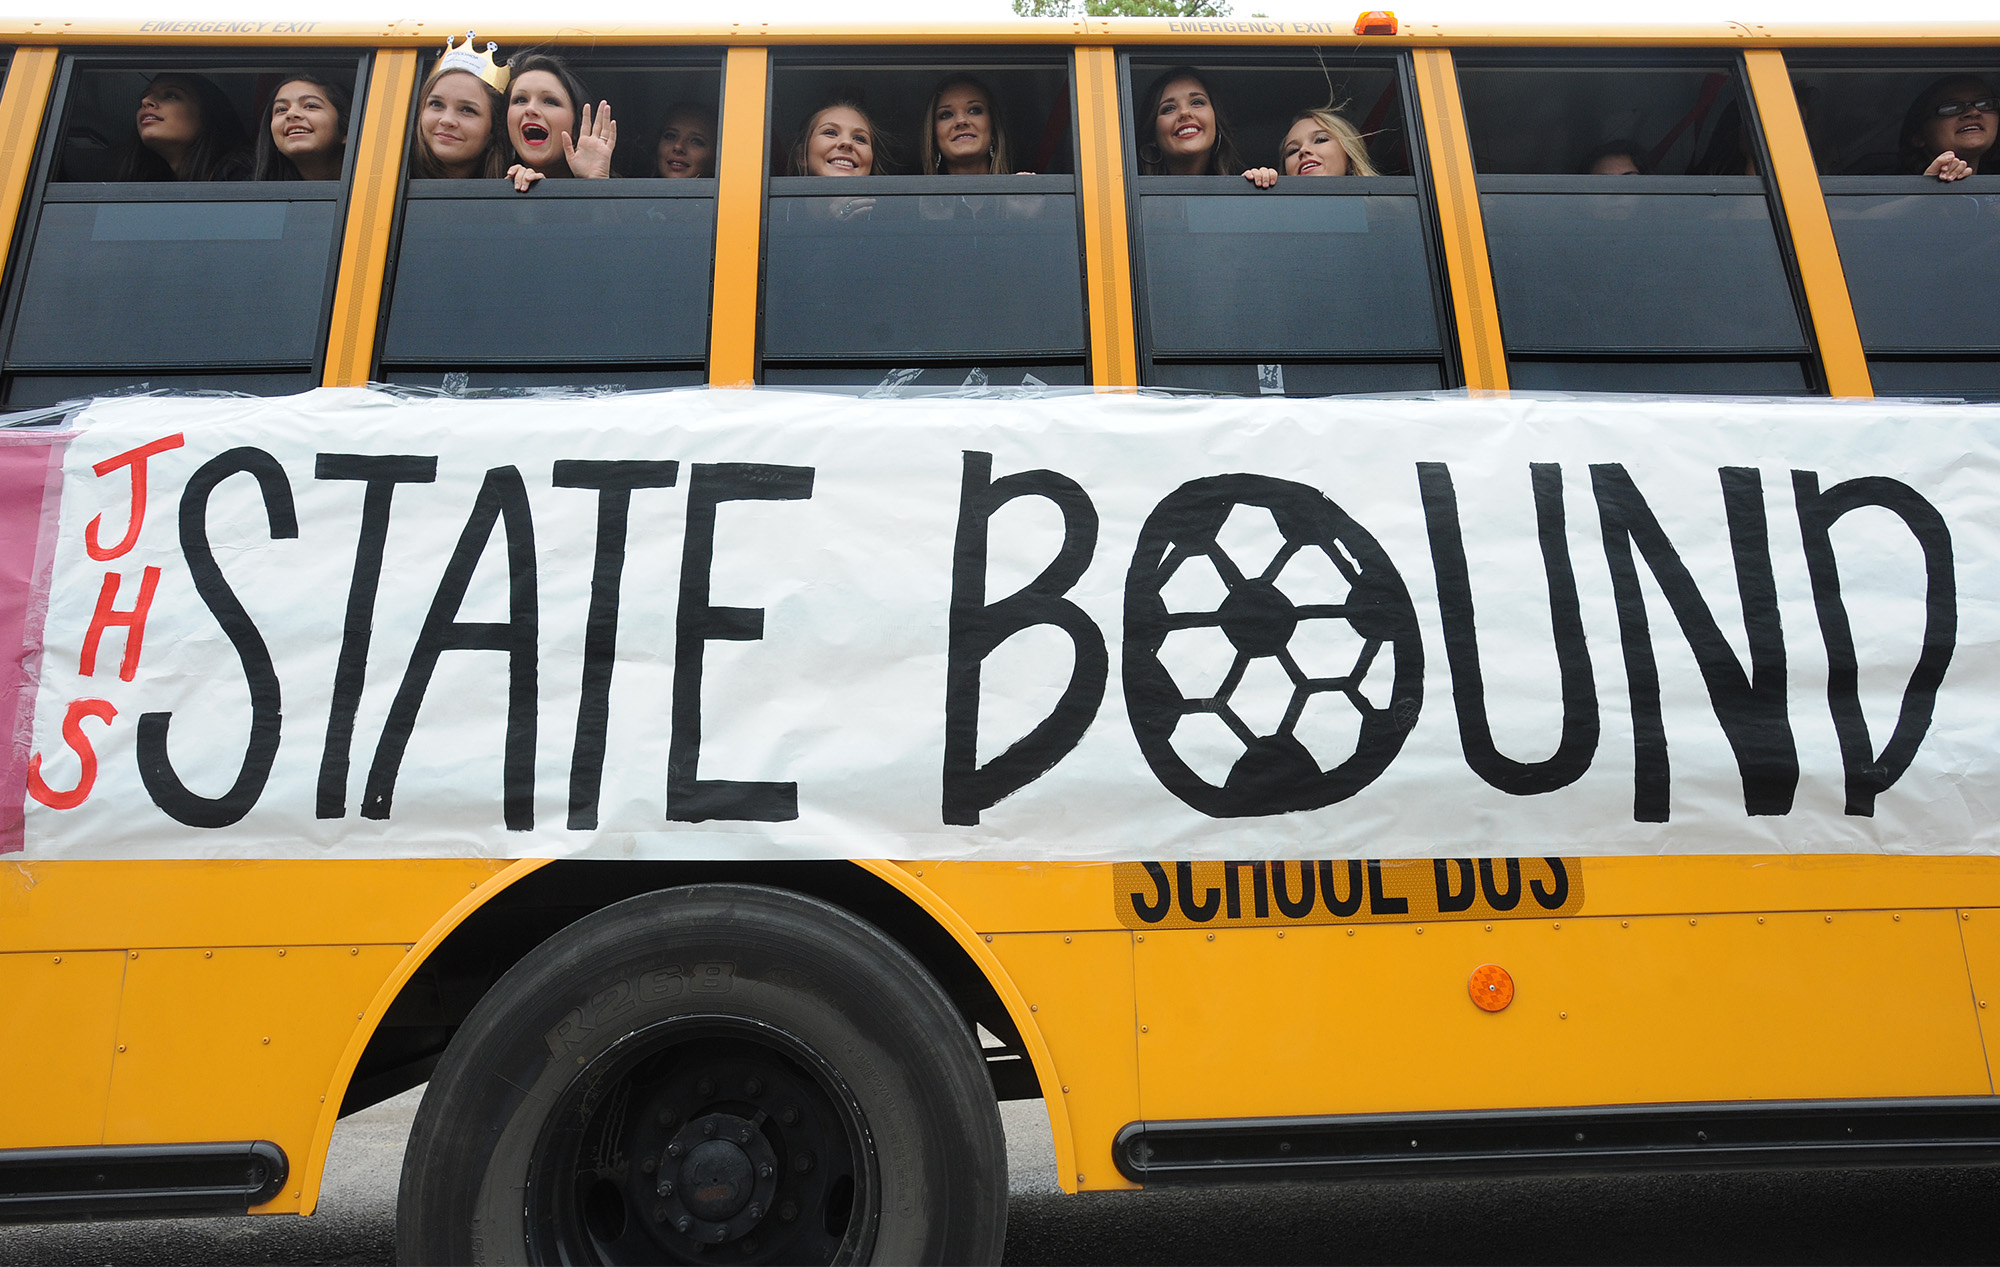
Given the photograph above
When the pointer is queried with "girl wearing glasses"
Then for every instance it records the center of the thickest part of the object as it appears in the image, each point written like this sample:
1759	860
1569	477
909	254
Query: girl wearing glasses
1951	127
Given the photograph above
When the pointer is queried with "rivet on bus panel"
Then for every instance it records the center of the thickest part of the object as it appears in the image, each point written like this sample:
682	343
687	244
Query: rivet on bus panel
1691	923
1281	934
1211	936
1760	919
1562	1016
1961	915
354	950
1559	927
1897	918
135	954
1141	937
1350	932
1065	939
267	1041
1420	931
1829	919
281	952
58	958
1146	1030
1034	1007
989	939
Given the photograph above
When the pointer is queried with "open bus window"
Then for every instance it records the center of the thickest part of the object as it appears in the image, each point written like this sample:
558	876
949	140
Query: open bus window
1255	106
222	282
903	270
1874	128
1311	287
212	113
635	253
1634	242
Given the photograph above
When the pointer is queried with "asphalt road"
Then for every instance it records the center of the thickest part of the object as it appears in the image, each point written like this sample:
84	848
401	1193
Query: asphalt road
1844	1216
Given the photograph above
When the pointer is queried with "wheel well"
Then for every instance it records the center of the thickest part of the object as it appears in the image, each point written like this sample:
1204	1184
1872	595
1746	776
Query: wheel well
445	988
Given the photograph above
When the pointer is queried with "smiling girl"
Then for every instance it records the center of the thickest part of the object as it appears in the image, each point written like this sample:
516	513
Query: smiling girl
552	134
1951	126
838	139
185	129
961	134
305	130
1322	143
1190	134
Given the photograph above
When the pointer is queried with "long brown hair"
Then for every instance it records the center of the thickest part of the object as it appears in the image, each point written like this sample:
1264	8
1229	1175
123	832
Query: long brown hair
1222	156
999	161
493	160
219	150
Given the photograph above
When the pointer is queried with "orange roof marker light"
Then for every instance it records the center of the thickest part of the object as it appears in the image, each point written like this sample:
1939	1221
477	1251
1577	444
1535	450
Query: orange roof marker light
1375	22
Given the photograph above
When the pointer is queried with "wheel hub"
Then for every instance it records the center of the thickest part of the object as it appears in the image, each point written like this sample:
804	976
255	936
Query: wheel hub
723	1173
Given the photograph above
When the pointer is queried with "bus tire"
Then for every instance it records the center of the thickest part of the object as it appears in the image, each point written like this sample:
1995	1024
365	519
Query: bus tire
717	1067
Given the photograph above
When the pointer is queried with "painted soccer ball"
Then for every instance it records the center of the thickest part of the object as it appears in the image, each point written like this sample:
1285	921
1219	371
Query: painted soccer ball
1272	656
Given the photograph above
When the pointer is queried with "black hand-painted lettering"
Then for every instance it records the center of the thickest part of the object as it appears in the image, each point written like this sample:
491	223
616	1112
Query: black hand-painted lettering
977	627
1163	895
1356	885
380	475
156	769
691	798
1870	774
1552	898
502	501
1280	889
615	482
1461	638
1496	897
1276	773
1454	896
1752	709
1380	903
1200	912
1233	896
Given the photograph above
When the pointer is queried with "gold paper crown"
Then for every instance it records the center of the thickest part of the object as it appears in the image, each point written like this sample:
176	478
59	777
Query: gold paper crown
463	57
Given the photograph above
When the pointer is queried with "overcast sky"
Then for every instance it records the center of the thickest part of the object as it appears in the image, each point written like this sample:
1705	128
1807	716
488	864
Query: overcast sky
614	12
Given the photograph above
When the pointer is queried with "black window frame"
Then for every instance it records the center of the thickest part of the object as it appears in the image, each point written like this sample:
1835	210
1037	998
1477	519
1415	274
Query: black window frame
48	146
1709	60
1418	184
635	58
940	59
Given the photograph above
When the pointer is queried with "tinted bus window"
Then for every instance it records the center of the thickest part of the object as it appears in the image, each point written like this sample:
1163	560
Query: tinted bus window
1310	287
1921	255
151	256
906	272
1634	243
576	281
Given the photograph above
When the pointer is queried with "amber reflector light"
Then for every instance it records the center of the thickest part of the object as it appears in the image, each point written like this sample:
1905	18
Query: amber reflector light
1491	987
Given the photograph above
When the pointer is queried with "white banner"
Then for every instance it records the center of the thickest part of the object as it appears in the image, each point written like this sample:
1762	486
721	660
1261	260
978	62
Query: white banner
762	624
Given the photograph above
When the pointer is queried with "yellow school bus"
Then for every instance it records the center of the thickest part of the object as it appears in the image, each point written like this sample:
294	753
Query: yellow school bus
799	1060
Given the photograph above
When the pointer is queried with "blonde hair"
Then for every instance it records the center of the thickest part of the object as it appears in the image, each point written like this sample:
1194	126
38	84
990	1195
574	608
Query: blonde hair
878	143
998	162
1349	136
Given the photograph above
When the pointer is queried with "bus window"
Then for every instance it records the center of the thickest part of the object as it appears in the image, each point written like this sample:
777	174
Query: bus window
1921	255
1310	287
587	282
906	267
1634	243
138	272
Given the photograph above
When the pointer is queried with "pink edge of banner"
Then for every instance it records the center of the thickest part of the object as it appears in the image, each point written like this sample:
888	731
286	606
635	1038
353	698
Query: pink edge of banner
30	496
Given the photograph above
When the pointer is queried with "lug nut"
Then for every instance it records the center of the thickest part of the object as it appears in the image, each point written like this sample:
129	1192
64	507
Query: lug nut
648	1166
674	1150
788	1211
682	1224
708	1128
764	1171
659	1214
755	1211
753	1088
666	1188
743	1136
803	1162
788	1115
666	1117
705	1087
